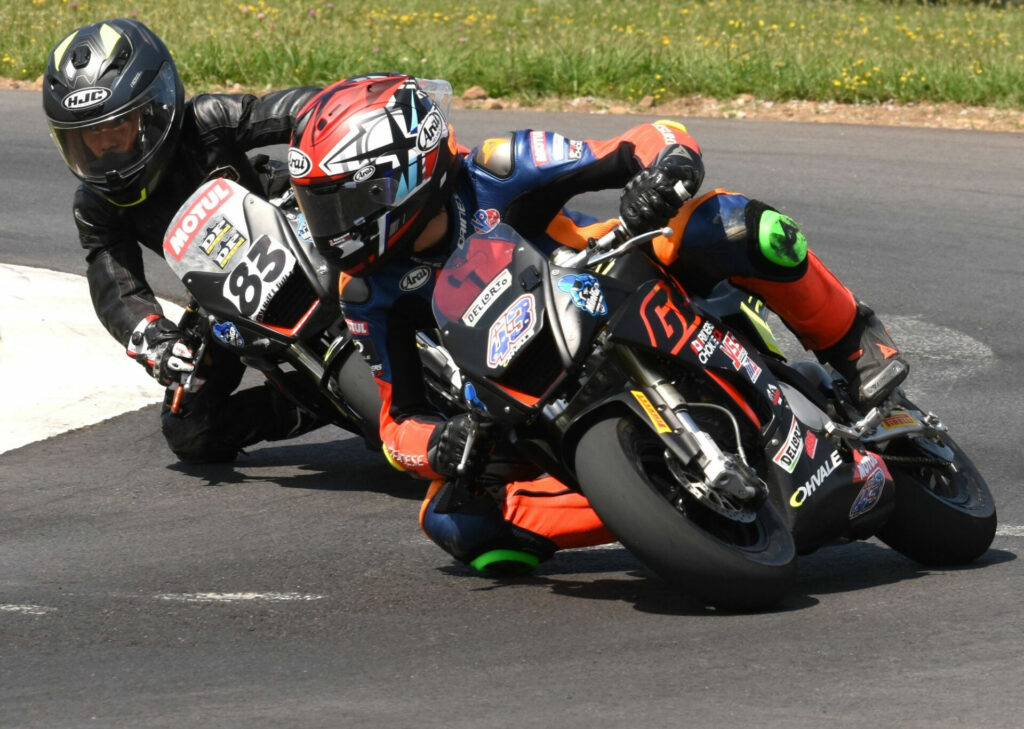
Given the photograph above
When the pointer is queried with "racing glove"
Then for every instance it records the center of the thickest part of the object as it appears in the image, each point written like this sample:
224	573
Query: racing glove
654	195
156	344
448	443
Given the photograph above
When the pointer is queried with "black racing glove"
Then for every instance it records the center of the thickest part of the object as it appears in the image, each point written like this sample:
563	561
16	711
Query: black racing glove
656	193
156	344
448	442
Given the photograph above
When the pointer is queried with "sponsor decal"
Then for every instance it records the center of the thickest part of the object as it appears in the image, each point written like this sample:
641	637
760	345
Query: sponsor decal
899	420
460	215
575	149
869	493
364	173
228	333
557	148
85	98
791	450
431	131
408	460
706	342
539	147
358	328
512	330
485	221
221	241
652	412
213	195
299	163
740	358
488	296
811	485
667	133
810	444
775	395
585	291
415	279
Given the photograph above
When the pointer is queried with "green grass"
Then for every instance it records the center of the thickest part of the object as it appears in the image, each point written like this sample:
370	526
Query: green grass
842	50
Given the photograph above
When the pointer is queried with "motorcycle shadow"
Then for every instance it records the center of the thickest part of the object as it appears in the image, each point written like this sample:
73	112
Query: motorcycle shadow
830	570
339	465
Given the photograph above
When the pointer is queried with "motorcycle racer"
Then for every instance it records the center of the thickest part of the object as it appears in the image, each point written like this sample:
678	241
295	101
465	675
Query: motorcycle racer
389	194
117	112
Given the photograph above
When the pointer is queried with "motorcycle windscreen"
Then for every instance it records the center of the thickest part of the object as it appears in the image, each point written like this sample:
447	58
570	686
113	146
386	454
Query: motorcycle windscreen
232	269
486	313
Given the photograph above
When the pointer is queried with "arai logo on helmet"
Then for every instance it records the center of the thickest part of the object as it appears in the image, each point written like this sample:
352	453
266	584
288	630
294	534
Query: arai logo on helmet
415	278
299	163
85	98
364	173
431	131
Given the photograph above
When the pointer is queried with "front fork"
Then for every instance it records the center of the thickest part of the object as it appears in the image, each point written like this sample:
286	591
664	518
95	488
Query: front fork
724	472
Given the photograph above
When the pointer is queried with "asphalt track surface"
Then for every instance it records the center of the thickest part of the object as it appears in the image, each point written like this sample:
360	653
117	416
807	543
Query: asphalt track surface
294	588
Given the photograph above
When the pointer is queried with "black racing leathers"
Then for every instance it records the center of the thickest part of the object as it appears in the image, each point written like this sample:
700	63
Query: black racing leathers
219	130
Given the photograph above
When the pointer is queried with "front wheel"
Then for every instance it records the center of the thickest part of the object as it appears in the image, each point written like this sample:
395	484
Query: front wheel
944	515
622	470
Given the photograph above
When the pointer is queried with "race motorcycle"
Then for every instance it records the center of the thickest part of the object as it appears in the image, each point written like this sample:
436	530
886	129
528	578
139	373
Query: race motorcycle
706	453
259	287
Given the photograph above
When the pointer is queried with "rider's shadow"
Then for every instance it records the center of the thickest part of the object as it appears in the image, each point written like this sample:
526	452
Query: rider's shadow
343	465
853	567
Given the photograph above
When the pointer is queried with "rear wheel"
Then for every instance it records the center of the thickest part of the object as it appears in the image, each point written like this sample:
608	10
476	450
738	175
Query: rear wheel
944	514
728	562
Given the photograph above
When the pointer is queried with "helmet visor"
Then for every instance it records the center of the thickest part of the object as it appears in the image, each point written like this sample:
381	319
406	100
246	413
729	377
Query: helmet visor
335	209
114	147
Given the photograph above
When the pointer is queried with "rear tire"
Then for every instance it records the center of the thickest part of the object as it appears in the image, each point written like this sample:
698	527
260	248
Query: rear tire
720	561
942	517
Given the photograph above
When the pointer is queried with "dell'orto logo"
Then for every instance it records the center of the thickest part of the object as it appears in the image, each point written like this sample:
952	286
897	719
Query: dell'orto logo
85	98
299	163
431	131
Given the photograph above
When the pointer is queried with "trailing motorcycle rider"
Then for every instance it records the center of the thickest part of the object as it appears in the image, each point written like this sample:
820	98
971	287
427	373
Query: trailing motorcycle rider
389	195
117	111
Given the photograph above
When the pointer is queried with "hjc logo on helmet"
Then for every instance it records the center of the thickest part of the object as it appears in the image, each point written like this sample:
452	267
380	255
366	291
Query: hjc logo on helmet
85	98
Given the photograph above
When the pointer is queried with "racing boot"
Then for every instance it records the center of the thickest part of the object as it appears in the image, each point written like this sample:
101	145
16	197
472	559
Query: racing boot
471	528
867	359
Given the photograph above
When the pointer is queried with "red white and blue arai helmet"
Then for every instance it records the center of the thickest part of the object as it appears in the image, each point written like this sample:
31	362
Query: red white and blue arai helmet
372	160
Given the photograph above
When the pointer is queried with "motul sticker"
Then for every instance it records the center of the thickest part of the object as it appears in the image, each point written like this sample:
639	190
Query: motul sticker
85	98
208	201
539	147
299	163
358	328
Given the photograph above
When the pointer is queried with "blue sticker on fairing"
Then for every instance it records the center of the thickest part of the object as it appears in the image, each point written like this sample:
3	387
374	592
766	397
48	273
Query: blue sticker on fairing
228	333
585	291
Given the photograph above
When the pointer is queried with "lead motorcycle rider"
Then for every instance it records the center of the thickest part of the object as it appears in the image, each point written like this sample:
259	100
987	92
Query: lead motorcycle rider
117	111
389	195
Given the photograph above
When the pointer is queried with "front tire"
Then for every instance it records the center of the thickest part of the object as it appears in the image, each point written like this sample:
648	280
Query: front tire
722	562
943	516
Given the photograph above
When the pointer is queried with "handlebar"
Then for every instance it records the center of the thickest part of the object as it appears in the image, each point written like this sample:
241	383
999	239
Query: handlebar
611	245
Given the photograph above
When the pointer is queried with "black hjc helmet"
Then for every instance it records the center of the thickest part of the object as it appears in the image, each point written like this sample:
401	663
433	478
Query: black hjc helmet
114	103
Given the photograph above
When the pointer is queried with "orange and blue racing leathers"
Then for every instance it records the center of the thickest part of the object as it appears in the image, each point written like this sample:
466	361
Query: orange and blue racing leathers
524	179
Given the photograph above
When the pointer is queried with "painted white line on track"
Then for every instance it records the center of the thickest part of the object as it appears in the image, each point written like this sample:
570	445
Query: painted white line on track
61	370
26	609
1008	530
207	597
